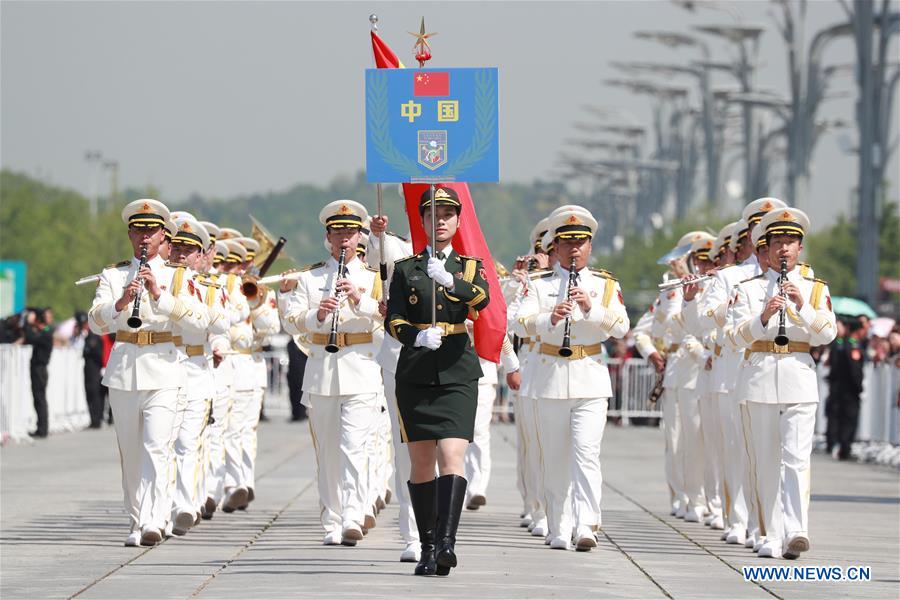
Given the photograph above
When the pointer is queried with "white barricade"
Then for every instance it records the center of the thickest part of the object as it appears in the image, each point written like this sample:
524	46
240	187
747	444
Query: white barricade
66	405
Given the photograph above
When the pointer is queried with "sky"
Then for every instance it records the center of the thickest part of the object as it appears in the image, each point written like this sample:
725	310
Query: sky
234	98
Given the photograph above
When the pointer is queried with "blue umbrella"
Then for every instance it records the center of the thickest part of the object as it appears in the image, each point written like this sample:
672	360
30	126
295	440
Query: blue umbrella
851	307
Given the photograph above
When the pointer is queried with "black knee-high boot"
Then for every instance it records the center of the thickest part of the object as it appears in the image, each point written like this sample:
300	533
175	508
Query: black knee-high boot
451	492
423	496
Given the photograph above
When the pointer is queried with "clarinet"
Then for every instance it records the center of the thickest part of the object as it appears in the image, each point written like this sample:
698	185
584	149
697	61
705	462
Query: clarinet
566	349
782	339
332	345
134	321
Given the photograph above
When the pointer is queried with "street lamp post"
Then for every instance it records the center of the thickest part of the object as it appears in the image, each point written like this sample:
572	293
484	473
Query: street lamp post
93	158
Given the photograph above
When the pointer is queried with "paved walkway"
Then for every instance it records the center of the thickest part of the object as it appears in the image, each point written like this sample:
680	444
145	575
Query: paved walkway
63	528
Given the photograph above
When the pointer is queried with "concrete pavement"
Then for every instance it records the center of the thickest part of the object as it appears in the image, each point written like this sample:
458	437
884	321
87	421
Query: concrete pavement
63	527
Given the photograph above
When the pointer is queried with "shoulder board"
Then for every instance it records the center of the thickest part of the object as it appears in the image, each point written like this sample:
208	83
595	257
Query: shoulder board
392	234
725	266
469	257
312	266
547	274
760	276
802	264
175	265
816	279
539	274
419	255
372	269
118	265
602	273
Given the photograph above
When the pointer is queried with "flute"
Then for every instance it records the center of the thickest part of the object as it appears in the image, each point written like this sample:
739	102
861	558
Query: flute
674	283
88	279
332	345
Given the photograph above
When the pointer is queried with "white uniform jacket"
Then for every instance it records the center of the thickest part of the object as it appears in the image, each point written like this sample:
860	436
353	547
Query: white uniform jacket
713	308
353	369
790	377
395	248
554	376
155	366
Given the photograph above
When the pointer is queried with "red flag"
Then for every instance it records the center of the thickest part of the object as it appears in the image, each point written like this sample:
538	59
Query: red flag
490	328
431	84
384	56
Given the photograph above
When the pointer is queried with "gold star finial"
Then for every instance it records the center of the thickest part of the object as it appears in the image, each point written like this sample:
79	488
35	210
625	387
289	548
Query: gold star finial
422	37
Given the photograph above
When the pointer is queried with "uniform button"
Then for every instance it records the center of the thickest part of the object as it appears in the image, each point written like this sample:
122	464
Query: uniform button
440	306
440	288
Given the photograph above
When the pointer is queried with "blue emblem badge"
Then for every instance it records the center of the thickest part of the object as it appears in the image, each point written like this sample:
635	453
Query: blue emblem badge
432	148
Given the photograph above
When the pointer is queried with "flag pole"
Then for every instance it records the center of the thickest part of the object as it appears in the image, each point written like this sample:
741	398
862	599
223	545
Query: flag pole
433	251
382	266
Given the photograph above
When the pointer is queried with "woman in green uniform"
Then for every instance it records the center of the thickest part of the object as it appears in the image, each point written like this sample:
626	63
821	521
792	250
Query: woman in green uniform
437	375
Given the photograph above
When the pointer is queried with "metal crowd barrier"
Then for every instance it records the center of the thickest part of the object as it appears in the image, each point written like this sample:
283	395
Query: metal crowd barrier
632	381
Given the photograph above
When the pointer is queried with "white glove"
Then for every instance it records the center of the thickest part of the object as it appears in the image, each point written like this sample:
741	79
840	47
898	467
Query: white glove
429	338
437	272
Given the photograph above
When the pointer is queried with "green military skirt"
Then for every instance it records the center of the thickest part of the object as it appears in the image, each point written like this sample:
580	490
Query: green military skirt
435	412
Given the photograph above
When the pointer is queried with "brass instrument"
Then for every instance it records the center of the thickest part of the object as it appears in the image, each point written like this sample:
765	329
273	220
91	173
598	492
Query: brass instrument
251	282
676	283
134	321
565	350
782	339
332	346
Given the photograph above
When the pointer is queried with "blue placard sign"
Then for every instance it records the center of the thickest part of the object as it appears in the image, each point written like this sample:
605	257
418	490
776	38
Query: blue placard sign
431	125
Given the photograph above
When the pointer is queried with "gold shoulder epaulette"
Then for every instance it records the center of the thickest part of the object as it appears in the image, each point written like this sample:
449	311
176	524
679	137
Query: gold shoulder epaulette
760	276
312	266
547	274
117	265
470	257
419	255
374	270
816	279
175	265
538	274
602	273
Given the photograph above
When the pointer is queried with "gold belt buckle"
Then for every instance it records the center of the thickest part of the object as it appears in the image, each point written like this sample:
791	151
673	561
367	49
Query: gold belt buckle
341	339
445	329
781	349
143	338
577	353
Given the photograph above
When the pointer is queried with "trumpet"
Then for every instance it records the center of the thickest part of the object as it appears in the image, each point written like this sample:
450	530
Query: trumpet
565	349
782	339
88	279
332	346
134	321
675	283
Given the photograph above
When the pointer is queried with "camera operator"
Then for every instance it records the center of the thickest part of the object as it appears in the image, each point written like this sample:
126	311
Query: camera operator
38	332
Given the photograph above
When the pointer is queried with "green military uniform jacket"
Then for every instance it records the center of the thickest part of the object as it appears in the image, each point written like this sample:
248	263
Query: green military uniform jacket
409	305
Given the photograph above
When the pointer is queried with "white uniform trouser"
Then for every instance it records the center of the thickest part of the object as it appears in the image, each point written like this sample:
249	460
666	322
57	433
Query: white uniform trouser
570	433
783	436
215	447
691	442
751	492
248	438
478	454
521	451
674	464
712	448
341	426
732	436
144	422
406	520
242	402
378	451
188	454
536	498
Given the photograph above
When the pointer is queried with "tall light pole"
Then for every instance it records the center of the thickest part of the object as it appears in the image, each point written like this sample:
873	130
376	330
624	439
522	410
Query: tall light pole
676	40
746	39
113	167
93	158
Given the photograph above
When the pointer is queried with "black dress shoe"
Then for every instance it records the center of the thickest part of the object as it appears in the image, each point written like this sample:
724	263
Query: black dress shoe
38	434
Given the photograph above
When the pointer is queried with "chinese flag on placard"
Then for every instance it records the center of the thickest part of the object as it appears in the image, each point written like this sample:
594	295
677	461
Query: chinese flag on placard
490	328
431	84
